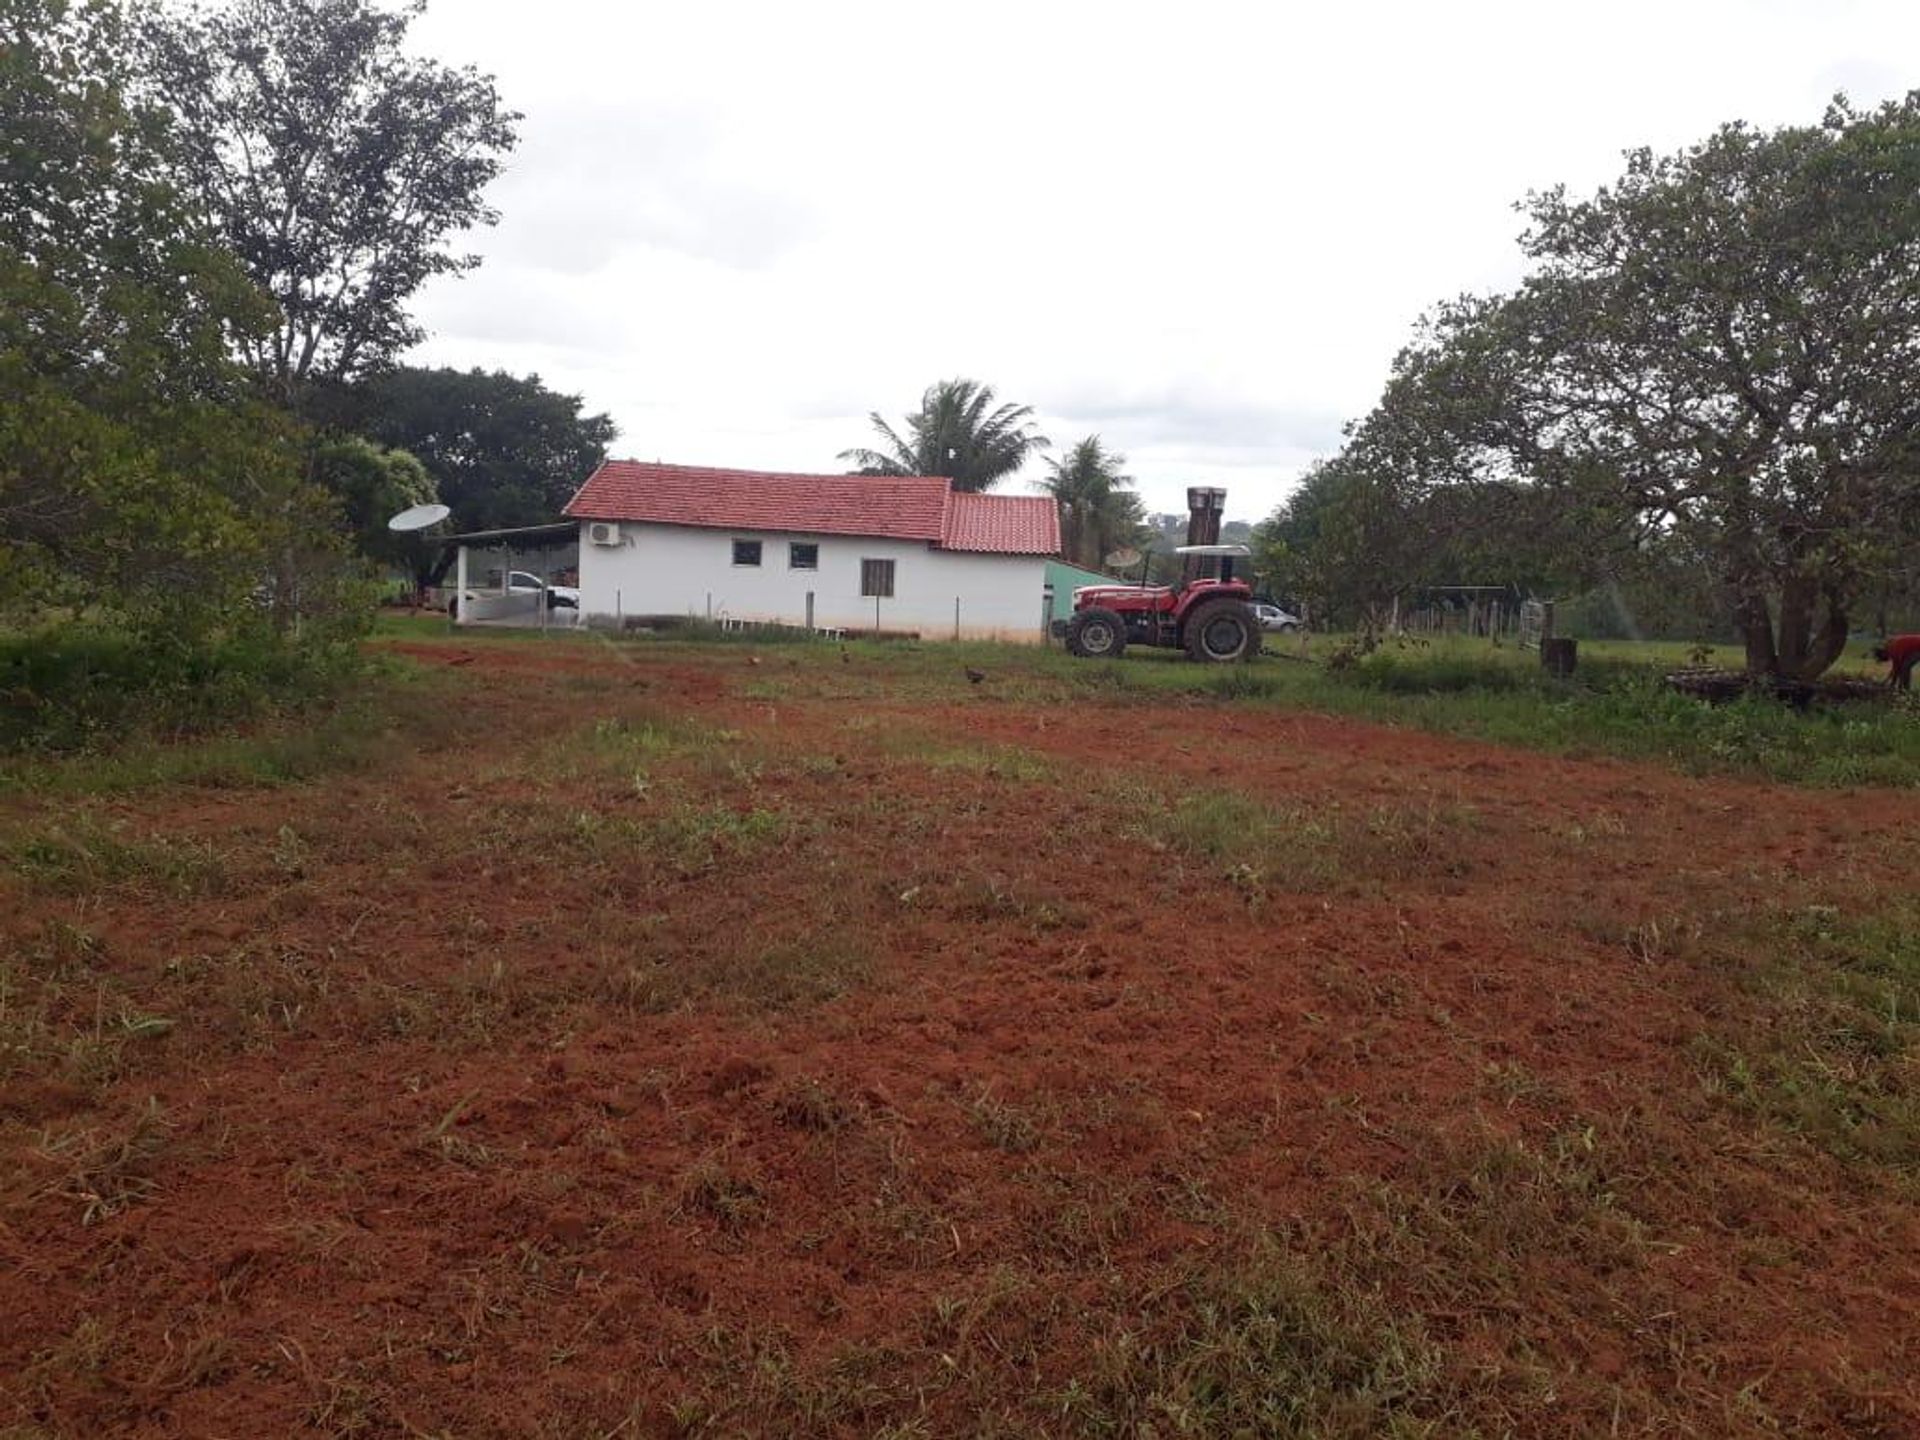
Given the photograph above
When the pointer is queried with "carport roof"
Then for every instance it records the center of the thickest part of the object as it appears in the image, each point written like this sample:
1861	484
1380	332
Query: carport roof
556	533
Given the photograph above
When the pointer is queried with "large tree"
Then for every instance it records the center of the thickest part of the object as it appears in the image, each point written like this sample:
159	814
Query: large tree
502	449
957	432
1099	512
1721	348
337	165
140	479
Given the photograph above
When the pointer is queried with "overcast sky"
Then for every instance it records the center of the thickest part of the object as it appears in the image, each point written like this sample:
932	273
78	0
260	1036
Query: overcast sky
1201	230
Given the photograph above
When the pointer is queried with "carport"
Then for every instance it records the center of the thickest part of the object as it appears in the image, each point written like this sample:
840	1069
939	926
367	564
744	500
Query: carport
483	561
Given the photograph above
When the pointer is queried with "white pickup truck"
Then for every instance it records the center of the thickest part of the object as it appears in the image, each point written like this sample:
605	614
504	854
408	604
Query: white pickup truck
520	583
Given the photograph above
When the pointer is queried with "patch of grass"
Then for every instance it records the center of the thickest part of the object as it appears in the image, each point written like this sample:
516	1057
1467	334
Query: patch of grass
632	746
87	687
85	855
105	1171
1256	1348
723	1187
1257	846
688	836
1002	762
994	898
806	1104
392	709
1618	704
1836	1059
698	837
1015	1129
1615	704
780	976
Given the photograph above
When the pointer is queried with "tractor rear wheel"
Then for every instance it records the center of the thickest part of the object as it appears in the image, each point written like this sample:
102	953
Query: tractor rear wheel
1096	635
1219	631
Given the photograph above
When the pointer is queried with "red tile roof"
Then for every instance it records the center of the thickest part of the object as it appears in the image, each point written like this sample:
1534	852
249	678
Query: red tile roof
895	507
1002	524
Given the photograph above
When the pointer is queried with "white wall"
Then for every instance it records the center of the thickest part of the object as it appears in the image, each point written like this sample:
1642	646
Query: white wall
689	570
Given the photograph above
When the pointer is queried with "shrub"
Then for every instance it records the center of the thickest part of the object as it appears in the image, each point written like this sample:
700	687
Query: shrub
85	686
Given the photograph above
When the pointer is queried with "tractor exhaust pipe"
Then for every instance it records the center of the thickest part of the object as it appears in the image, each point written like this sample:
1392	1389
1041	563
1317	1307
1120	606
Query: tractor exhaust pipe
1205	506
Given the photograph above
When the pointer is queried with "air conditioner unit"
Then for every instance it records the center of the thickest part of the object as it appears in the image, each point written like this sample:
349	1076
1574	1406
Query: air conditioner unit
604	532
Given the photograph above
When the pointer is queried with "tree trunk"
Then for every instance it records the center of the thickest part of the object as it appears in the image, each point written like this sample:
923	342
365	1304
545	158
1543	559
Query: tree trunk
1828	643
1798	648
1797	600
1756	628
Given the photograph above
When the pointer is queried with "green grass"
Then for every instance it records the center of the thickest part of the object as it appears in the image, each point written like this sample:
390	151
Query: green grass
1258	846
1837	1060
83	687
392	706
86	856
1615	705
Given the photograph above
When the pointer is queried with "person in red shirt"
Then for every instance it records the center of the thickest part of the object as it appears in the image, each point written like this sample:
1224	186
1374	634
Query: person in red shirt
1902	652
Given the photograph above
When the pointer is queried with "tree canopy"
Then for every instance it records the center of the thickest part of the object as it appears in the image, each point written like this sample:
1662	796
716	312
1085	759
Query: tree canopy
501	449
957	432
335	164
371	485
138	476
1719	349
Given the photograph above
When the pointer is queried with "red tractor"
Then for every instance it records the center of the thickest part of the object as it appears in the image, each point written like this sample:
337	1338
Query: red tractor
1210	618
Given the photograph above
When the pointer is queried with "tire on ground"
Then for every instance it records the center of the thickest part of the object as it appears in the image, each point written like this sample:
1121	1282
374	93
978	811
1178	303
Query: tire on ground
1219	631
1096	635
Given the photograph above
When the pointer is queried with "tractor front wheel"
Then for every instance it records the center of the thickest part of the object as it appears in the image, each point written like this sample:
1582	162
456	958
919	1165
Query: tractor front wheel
1096	635
1220	631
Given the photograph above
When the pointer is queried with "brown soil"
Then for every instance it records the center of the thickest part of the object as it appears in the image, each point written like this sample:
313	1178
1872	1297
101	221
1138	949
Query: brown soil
432	1150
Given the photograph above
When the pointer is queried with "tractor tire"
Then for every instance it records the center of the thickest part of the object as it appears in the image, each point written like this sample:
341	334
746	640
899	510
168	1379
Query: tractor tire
1096	635
1222	631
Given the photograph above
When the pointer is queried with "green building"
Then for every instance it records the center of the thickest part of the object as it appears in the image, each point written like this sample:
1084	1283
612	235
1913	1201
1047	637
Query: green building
1062	580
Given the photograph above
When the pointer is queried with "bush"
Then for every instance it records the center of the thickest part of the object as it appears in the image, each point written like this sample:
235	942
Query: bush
84	687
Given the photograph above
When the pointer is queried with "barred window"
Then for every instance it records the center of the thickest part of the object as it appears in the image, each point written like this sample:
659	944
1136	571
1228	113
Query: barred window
876	577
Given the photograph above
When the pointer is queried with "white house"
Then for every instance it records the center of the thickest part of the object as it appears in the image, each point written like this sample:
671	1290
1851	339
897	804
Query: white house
853	552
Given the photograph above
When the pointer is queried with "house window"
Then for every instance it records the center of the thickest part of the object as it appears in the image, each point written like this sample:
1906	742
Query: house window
876	577
803	557
746	552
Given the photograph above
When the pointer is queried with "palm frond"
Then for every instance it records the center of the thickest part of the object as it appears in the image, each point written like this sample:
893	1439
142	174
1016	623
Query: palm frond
959	433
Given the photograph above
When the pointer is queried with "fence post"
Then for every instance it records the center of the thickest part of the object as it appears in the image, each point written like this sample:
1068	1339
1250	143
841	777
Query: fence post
956	617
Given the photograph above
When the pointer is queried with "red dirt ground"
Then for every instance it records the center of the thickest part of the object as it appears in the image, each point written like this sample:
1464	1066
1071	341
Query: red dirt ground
425	1165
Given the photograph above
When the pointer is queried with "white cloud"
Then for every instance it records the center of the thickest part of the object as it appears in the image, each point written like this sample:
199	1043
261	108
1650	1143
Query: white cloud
1202	230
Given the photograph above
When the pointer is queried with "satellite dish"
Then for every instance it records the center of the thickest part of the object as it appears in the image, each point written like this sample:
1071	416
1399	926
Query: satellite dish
420	517
1123	559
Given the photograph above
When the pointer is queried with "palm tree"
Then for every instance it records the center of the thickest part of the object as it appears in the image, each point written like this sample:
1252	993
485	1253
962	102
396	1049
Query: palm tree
957	433
1098	510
